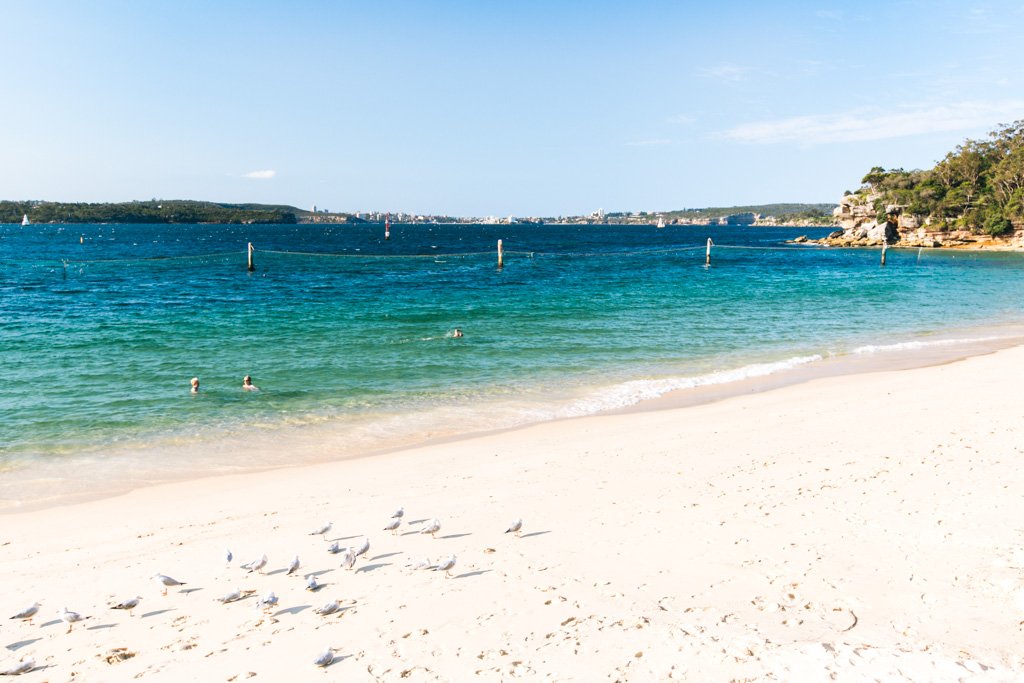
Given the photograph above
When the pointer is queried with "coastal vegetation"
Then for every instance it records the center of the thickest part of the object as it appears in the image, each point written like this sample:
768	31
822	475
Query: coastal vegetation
978	187
153	211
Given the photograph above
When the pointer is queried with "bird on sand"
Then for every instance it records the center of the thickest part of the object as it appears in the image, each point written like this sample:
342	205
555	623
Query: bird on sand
22	667
393	525
515	527
256	565
27	613
348	558
432	527
167	581
325	658
322	531
129	604
446	566
71	618
293	566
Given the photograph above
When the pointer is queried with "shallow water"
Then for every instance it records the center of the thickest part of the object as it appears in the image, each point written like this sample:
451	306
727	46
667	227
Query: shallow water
348	335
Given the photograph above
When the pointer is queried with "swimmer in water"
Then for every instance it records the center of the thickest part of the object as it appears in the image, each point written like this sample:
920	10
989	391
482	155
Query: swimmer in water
247	384
195	385
457	333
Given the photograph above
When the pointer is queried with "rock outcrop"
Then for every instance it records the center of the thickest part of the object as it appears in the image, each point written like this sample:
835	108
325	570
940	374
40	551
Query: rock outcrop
858	218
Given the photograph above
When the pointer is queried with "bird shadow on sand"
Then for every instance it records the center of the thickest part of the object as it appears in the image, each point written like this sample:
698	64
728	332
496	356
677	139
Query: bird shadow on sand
157	611
292	610
320	572
189	590
99	627
371	567
455	535
381	557
50	623
478	572
408	533
535	533
22	643
337	658
416	521
282	570
344	538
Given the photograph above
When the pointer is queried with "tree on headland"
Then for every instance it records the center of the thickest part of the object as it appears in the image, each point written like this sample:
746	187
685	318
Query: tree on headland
979	186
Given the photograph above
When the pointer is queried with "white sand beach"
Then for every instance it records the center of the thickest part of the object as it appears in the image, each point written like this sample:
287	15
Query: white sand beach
850	528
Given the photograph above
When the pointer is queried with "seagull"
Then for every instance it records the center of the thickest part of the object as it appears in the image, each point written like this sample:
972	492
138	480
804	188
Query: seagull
348	558
329	608
228	556
432	527
425	563
334	548
399	513
267	602
167	581
364	548
129	604
311	583
27	613
292	566
70	618
256	565
22	667
230	597
325	658
446	566
393	525
516	527
322	531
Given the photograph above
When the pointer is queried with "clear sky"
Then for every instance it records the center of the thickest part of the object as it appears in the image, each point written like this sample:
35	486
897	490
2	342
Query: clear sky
493	107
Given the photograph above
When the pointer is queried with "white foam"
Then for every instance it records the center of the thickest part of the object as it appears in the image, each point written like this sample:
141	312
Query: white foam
914	345
636	391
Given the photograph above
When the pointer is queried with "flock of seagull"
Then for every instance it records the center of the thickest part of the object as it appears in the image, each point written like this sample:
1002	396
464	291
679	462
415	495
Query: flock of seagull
348	555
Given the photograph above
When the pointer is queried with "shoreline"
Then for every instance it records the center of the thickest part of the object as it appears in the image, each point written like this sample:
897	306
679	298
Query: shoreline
767	534
319	443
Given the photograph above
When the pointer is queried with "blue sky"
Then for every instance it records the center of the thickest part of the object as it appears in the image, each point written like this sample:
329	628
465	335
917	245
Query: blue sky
481	108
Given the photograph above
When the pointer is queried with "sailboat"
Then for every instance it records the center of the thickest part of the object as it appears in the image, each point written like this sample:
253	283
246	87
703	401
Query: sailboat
24	219
661	221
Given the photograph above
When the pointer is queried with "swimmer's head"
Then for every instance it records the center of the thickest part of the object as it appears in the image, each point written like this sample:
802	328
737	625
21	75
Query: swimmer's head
195	381
247	380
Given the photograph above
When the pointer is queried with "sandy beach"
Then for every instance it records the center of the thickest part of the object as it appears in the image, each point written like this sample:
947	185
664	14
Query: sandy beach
849	528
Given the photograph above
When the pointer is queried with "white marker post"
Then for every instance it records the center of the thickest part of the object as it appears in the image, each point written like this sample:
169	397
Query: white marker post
251	267
501	256
707	256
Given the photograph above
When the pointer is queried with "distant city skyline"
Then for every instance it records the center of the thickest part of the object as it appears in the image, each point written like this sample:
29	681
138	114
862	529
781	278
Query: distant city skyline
477	109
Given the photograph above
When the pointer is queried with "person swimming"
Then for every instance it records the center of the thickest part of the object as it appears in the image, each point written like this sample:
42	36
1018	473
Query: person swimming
247	384
457	333
195	385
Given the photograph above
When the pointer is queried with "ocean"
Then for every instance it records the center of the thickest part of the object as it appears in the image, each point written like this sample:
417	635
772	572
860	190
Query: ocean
349	337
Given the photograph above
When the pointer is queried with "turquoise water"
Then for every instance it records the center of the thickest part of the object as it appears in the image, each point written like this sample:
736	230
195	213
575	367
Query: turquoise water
101	327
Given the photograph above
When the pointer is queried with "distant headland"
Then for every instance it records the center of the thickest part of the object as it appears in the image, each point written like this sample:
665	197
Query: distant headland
972	198
189	211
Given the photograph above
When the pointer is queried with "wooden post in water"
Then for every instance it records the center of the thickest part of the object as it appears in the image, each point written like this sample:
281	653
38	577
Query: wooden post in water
251	267
501	256
885	245
707	256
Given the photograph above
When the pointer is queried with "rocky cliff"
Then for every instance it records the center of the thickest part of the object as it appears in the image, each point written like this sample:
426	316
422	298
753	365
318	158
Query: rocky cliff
862	222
